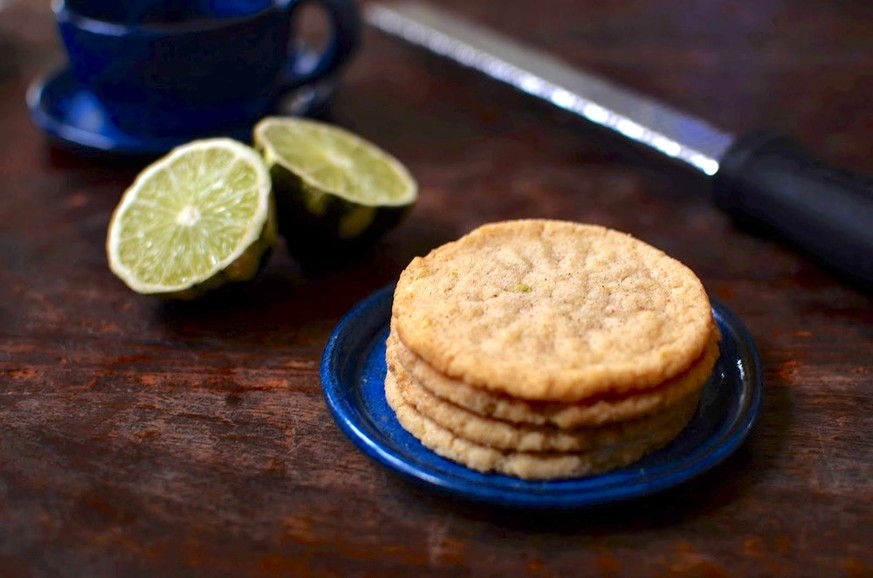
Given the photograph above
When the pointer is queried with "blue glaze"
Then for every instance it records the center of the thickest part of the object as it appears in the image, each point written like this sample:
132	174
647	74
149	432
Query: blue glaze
76	118
146	11
197	75
353	371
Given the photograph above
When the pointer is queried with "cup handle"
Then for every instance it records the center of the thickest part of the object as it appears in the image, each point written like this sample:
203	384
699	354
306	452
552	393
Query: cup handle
344	20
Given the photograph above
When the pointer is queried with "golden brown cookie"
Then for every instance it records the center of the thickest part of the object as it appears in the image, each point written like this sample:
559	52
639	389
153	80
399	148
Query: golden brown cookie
552	311
525	465
504	435
591	412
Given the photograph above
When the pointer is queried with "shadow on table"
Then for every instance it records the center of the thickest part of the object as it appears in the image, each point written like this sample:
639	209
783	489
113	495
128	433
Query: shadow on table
289	296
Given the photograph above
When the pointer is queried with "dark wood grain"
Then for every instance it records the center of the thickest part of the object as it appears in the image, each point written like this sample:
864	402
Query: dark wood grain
145	439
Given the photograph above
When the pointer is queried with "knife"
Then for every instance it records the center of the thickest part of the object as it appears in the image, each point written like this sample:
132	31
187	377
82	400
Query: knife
763	178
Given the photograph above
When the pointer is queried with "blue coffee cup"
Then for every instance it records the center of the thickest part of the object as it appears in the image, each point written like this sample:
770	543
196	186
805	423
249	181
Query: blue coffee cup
207	70
163	11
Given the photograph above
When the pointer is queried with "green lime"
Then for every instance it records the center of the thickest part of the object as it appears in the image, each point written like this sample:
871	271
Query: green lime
194	220
336	193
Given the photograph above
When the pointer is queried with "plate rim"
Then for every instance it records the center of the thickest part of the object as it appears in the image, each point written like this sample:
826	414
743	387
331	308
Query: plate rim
546	494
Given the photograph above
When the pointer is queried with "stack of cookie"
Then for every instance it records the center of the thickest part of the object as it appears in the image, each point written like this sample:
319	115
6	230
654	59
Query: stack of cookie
547	349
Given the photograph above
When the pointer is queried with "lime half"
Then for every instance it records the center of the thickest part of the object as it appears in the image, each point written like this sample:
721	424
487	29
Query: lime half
335	192
198	218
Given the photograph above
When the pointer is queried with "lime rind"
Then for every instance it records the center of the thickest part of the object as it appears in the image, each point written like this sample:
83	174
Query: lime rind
336	193
152	222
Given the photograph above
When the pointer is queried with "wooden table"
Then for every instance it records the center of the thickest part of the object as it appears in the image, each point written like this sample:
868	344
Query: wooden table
144	439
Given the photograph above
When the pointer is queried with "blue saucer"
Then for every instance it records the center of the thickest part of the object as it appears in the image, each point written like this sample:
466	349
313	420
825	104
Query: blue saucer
71	114
353	371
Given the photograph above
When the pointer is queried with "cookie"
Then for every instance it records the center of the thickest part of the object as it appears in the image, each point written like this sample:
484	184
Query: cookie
547	349
591	412
525	465
552	311
504	435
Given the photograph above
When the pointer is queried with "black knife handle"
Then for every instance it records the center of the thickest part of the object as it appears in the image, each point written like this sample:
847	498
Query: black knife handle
768	180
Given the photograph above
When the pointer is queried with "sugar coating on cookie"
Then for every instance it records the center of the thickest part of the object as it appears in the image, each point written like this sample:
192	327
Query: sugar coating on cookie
523	464
597	411
503	435
552	311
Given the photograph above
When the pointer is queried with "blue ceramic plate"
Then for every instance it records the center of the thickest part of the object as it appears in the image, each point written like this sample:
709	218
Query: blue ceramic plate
353	370
73	116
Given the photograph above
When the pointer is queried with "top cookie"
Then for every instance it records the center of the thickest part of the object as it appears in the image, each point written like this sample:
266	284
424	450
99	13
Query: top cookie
552	310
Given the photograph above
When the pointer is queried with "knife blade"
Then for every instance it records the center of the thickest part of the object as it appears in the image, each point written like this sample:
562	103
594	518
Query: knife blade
763	178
